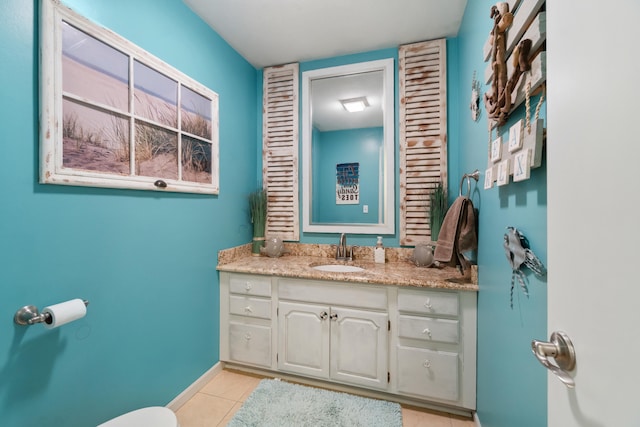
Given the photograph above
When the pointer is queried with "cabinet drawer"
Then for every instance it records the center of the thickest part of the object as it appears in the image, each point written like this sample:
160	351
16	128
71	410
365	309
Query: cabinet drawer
250	344
250	285
428	302
428	329
427	373
333	293
250	306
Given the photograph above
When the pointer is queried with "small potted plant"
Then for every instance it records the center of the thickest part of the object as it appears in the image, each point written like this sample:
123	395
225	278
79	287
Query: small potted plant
258	208
438	201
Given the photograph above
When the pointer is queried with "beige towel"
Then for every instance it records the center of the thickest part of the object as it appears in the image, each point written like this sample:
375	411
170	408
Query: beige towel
458	234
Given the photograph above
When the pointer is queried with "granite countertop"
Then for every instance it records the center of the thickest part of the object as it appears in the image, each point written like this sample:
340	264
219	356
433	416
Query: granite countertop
299	260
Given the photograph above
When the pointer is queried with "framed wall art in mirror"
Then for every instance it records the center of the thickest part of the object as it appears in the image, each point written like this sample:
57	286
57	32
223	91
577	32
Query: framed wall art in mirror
333	135
113	115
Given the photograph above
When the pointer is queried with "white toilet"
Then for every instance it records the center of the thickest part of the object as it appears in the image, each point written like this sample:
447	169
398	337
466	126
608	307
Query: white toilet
154	416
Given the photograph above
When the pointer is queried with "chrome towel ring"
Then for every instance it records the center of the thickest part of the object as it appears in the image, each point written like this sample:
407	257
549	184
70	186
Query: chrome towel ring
475	175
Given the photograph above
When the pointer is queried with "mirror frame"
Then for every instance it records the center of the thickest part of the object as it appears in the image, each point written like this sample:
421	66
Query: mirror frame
387	226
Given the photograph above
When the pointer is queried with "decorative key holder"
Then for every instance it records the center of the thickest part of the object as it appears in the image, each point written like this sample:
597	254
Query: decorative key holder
516	248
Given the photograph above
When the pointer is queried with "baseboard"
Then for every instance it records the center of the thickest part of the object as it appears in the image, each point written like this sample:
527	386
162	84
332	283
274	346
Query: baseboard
476	419
195	387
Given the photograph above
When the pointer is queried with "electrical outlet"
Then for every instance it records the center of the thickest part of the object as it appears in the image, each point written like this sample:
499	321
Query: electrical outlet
365	208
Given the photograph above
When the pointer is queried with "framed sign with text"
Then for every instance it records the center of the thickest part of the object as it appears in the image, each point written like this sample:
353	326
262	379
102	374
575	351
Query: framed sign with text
347	183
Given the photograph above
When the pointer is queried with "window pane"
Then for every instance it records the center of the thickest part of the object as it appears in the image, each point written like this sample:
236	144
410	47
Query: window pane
156	95
156	152
94	139
117	113
196	160
93	70
196	113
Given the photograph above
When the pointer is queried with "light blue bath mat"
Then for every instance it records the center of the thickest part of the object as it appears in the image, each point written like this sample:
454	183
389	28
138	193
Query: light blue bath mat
280	404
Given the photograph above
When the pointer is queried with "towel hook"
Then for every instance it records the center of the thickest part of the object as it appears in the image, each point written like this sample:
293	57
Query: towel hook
475	175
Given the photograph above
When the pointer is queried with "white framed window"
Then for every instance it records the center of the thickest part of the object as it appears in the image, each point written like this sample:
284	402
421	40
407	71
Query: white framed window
113	115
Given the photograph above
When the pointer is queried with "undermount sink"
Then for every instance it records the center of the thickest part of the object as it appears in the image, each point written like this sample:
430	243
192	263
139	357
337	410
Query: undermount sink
338	268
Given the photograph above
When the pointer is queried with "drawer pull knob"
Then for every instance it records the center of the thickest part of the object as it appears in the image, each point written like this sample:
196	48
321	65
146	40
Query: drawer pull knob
427	304
334	316
247	336
248	286
426	363
324	315
428	332
248	309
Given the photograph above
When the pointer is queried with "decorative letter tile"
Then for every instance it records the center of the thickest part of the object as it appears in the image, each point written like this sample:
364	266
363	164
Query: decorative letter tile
488	178
515	136
496	149
521	166
503	173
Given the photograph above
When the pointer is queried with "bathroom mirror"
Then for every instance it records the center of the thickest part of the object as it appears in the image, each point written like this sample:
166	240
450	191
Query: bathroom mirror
348	157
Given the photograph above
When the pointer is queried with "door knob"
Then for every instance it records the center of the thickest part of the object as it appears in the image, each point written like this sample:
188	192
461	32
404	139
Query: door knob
561	350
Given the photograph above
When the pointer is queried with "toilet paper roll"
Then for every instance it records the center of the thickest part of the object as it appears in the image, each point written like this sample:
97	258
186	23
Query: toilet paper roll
64	313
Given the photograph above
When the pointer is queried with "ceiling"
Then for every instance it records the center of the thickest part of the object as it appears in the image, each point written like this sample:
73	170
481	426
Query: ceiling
274	32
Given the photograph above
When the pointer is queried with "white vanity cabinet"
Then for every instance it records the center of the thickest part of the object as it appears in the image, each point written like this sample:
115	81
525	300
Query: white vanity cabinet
417	344
435	347
246	317
341	336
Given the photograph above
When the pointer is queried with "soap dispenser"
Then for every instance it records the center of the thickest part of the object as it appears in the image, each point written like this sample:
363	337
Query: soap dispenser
378	252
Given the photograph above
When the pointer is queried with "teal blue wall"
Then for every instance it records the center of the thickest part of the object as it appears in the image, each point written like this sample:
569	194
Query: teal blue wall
512	387
145	260
330	148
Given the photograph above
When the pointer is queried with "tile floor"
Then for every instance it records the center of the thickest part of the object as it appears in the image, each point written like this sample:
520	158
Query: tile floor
216	403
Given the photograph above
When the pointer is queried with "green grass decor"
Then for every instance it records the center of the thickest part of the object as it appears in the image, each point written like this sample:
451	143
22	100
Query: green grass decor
258	208
439	206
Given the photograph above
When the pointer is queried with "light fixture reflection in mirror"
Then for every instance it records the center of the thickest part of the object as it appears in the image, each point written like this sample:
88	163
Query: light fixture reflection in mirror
332	136
355	105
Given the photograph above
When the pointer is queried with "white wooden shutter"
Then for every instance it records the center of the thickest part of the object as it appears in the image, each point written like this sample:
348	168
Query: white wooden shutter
280	150
423	134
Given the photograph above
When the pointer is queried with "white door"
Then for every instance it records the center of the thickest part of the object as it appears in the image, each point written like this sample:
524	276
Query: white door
359	347
593	201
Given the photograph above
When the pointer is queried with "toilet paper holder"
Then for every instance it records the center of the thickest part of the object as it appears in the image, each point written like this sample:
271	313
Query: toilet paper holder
29	315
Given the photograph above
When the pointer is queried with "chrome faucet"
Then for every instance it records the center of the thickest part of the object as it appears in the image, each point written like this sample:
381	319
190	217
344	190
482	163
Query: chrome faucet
341	250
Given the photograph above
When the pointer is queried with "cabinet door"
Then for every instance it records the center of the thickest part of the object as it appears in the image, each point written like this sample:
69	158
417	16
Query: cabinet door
303	338
359	347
